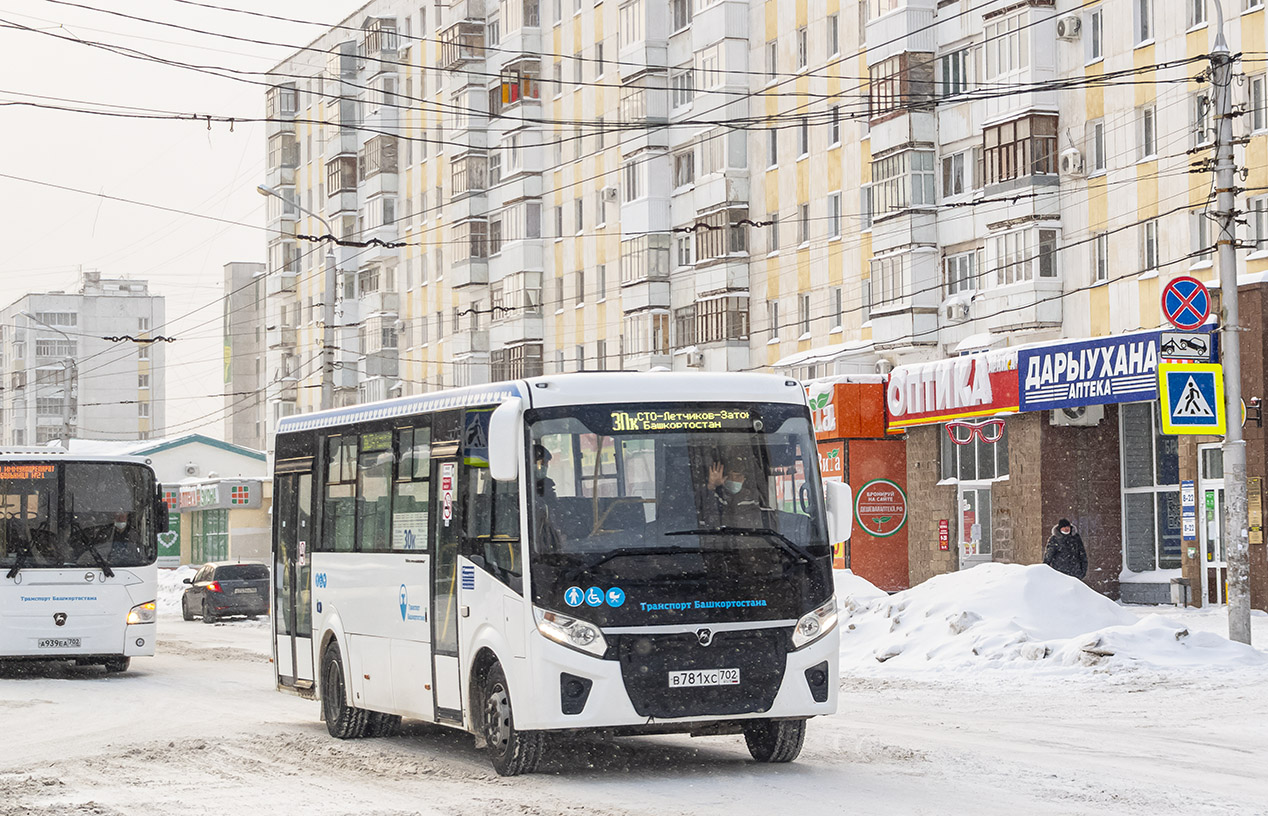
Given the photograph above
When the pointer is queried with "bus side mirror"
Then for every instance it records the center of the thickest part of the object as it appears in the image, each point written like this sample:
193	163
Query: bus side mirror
840	501
506	440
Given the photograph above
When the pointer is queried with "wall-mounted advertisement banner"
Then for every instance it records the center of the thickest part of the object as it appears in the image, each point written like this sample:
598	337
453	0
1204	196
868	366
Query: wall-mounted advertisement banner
930	393
1101	371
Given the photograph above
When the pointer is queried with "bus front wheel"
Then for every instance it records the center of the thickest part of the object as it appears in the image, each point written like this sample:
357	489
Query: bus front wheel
775	740
513	752
343	721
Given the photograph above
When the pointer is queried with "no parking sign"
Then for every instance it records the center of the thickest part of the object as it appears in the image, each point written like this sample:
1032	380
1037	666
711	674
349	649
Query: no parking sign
1185	303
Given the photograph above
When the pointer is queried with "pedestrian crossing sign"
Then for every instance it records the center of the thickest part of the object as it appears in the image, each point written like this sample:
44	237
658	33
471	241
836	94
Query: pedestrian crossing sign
1192	398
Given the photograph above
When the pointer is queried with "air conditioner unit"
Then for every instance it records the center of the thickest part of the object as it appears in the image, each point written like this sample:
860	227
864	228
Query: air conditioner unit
884	367
1072	162
695	359
608	193
1083	416
1068	27
956	311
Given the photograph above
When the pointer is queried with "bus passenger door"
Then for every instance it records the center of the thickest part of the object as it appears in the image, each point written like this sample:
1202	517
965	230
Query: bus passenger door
292	593
447	527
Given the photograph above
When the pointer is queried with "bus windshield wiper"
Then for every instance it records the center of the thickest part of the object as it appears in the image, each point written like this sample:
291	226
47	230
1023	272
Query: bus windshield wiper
19	562
621	552
785	543
101	562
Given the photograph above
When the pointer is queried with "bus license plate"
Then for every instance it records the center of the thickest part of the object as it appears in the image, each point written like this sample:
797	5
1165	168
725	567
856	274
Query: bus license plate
58	643
248	590
705	677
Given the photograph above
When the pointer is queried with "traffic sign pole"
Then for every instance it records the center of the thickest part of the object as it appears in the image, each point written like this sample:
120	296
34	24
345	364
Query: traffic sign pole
1236	520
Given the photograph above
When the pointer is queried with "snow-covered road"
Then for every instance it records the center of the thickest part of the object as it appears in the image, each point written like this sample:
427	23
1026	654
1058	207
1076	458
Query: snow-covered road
198	728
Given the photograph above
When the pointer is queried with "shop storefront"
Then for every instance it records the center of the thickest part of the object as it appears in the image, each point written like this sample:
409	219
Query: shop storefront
224	520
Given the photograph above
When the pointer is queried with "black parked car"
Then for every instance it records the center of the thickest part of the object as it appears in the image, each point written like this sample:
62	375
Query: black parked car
227	588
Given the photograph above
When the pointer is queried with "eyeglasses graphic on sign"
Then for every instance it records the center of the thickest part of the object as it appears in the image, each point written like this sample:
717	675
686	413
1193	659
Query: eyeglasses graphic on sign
962	433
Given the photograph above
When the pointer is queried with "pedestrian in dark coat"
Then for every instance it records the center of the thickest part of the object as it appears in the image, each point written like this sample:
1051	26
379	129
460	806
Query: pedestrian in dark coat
1065	552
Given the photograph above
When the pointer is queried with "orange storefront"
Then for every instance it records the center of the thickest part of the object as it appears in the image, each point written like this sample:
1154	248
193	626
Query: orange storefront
849	419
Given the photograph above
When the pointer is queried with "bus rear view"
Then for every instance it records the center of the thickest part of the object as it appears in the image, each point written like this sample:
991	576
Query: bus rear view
78	544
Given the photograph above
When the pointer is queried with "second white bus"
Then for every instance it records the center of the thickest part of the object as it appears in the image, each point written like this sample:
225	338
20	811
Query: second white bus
635	553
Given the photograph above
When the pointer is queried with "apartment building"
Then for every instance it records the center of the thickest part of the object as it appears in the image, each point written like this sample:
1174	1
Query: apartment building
829	189
245	354
76	364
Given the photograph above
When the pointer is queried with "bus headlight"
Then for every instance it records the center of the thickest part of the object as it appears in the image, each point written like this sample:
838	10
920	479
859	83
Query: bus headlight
815	624
143	613
571	632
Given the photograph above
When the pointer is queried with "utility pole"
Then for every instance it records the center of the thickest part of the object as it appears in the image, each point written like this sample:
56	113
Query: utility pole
328	308
1236	519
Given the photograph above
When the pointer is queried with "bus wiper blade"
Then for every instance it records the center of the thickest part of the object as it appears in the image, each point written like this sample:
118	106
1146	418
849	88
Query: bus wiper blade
101	562
621	552
19	562
785	543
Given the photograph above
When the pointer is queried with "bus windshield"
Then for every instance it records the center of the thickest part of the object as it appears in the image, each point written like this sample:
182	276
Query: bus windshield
677	503
74	514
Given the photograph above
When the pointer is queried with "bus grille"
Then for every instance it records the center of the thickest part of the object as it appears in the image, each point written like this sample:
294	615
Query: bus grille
646	661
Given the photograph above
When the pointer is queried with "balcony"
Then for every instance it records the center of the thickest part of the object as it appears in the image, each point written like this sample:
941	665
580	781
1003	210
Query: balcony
467	272
517	327
282	337
729	274
383	363
462	44
379	302
281	282
467	342
645	294
910	27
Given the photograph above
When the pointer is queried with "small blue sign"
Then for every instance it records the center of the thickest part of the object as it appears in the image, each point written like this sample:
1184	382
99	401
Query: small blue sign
594	597
573	596
404	601
1192	398
616	596
468	577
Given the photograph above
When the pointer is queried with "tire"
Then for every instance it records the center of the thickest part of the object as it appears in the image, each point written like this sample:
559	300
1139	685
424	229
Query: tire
775	740
512	752
208	616
117	665
186	612
379	724
343	721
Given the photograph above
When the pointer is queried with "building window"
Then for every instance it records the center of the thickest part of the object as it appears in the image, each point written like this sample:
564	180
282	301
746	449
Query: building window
772	318
803	315
834	35
1201	236
684	251
1100	257
1257	210
961	272
1200	119
1020	148
1149	245
684	168
1151	495
954	68
901	181
341	175
1096	145
1257	103
1143	11
1095	35
1197	12
645	257
975	460
683	83
803	224
143	381
803	49
772	60
143	410
953	175
1018	255
903	81
631	177
1007	47
888	279
834	215
834	125
724	236
803	138
1148	133
838	307
772	233
772	148
719	319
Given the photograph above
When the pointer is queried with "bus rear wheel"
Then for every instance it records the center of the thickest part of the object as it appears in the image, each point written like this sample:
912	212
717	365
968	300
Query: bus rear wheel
513	752
343	721
117	665
775	740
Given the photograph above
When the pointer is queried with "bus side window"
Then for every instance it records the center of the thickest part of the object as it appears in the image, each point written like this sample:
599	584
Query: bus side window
493	524
339	514
413	474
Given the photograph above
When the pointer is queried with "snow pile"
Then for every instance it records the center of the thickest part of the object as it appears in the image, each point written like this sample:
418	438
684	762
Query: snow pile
1015	616
171	586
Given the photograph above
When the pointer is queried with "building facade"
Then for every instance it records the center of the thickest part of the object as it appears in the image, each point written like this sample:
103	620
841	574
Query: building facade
829	189
83	363
245	354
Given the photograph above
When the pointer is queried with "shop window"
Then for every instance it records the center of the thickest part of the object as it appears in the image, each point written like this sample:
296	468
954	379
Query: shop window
969	455
1151	490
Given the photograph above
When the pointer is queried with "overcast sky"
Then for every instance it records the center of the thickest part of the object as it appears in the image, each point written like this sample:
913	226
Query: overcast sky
50	235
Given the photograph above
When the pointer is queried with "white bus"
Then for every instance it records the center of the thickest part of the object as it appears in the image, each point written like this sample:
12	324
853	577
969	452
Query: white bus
635	553
78	545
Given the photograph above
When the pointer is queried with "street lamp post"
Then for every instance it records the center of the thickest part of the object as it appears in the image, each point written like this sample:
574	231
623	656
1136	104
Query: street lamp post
328	308
71	369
